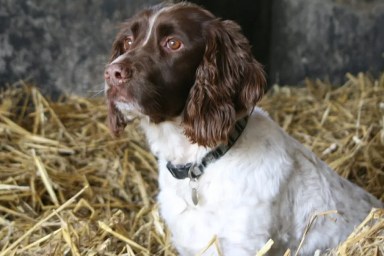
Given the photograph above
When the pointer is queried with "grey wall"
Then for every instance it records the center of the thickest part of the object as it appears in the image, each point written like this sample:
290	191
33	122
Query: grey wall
325	39
63	45
60	44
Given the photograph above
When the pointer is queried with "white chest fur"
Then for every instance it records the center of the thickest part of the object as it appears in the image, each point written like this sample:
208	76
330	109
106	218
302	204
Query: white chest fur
266	186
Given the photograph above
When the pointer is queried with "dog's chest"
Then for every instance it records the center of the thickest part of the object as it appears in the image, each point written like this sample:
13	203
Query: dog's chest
191	225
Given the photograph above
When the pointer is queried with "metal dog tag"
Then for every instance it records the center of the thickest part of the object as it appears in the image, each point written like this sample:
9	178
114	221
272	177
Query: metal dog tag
194	187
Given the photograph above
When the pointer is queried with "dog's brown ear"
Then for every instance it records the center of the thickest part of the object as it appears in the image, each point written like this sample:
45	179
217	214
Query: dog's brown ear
229	81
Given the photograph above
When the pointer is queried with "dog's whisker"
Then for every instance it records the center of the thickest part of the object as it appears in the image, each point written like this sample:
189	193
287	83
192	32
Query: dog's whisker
96	92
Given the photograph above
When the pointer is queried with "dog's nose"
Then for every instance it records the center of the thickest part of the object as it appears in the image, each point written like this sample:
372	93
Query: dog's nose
116	74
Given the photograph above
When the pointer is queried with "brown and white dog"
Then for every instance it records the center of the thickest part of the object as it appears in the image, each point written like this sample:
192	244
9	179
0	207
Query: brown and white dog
225	168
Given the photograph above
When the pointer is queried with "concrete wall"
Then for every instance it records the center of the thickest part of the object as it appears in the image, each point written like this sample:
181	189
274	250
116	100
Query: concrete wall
60	44
325	39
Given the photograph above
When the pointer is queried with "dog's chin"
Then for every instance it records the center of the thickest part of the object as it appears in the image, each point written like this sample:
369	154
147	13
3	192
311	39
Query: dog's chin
130	111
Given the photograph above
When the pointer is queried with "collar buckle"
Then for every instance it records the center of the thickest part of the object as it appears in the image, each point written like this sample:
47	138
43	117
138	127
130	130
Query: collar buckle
195	171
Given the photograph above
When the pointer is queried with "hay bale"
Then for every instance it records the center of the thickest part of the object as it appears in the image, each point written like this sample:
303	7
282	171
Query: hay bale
67	187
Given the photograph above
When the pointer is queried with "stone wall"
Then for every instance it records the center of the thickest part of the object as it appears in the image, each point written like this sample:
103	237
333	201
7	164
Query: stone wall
64	45
60	45
325	39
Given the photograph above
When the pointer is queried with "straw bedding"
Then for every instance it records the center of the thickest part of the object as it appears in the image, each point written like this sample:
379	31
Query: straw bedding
67	187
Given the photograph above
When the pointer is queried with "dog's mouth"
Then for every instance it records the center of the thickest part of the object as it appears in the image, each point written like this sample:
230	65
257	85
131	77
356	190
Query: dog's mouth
121	102
115	119
120	113
129	110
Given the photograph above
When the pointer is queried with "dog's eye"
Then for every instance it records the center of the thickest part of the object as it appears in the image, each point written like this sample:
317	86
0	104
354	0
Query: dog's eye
127	44
173	44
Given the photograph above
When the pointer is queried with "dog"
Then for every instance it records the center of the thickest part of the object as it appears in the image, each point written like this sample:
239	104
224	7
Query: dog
225	168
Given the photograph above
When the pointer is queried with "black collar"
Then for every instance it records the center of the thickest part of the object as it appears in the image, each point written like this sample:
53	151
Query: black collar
194	170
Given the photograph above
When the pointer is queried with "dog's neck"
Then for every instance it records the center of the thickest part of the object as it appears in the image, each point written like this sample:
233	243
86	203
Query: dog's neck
168	141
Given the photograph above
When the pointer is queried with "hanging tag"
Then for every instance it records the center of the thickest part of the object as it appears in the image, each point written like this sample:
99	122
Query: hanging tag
194	187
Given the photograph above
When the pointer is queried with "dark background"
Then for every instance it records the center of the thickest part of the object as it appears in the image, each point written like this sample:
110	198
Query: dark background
64	45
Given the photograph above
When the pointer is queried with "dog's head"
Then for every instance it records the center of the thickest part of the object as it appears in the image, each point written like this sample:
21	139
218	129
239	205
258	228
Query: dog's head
180	60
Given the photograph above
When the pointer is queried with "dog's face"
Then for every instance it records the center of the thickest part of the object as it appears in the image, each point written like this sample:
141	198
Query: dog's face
179	60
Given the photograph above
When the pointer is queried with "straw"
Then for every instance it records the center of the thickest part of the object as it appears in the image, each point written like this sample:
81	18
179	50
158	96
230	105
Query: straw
67	186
